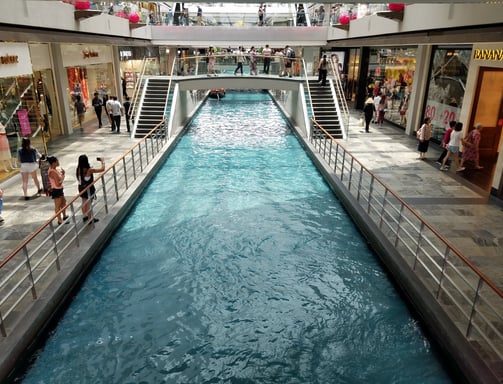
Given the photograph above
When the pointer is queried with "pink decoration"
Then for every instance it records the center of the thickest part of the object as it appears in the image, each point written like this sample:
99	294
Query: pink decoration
396	6
344	18
134	18
82	5
121	14
354	16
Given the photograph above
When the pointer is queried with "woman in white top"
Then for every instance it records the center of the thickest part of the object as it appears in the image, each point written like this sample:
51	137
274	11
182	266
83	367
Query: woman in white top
453	146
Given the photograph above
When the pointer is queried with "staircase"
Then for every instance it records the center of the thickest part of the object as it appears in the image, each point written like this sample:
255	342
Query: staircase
324	109
152	109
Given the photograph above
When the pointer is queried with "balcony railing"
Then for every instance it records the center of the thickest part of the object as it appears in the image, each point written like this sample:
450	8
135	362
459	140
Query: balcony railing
472	302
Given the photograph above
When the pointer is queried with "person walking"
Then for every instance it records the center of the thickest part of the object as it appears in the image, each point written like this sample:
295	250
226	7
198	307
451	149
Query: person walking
445	142
117	111
381	110
267	53
28	157
322	71
471	148
199	15
97	104
127	112
85	178
239	60
108	107
368	113
453	146
253	61
211	62
56	177
424	136
80	110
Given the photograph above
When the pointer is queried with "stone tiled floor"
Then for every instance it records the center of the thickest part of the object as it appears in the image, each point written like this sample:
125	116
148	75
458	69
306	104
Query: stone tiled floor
23	217
463	213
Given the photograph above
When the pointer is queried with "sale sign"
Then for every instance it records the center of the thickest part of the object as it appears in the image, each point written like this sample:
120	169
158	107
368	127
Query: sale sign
440	114
24	122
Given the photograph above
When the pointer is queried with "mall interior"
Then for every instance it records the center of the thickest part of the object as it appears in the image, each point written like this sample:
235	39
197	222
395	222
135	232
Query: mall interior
442	60
438	60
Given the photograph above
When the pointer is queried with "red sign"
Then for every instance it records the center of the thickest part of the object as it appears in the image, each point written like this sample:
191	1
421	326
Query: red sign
24	122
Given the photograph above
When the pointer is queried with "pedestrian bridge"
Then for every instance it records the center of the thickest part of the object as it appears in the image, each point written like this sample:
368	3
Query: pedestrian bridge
231	81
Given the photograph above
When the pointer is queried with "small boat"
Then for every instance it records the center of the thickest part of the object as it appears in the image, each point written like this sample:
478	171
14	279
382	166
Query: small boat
217	93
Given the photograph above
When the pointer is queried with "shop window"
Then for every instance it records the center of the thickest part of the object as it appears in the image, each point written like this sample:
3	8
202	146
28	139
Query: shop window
446	88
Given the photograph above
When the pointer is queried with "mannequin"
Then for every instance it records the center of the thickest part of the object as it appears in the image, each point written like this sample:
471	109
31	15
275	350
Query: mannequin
5	154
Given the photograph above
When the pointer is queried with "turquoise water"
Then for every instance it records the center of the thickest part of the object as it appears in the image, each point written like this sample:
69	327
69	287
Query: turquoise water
237	265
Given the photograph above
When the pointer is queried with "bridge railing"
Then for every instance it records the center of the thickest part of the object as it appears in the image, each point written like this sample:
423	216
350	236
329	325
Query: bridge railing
471	300
226	63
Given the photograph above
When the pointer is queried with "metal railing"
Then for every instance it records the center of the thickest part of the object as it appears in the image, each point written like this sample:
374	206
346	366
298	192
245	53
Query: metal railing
333	70
224	63
472	301
37	261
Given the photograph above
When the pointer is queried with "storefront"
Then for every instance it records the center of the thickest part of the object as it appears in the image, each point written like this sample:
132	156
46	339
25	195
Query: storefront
132	61
483	104
89	69
19	106
446	87
391	74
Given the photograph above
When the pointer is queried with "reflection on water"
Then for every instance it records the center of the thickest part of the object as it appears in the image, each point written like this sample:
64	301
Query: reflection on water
237	265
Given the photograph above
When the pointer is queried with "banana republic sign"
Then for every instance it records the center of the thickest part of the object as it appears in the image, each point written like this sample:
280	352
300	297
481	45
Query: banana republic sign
488	54
9	59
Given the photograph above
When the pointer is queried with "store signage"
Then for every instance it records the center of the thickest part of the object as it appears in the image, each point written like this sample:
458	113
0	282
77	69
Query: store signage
87	54
9	59
488	54
440	114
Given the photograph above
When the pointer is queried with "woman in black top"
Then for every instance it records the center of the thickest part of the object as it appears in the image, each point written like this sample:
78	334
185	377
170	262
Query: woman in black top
85	178
368	112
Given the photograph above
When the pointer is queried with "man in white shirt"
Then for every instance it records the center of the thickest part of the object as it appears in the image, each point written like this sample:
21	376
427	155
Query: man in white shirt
117	111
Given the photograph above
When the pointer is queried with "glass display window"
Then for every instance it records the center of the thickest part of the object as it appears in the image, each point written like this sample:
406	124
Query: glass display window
391	76
446	88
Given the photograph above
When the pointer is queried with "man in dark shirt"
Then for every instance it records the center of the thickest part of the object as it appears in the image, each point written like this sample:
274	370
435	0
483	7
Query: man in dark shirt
127	106
97	103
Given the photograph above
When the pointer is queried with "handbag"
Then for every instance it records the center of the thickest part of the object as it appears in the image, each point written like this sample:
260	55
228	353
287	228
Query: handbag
362	122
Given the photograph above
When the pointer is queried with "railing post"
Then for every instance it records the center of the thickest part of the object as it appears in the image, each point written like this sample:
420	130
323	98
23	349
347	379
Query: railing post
3	331
360	180
30	273
474	306
442	274
105	195
350	173
400	216
116	186
418	247
141	157
371	191
381	218
133	164
125	172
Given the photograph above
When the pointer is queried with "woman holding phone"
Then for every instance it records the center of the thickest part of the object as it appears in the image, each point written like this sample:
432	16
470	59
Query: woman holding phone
85	178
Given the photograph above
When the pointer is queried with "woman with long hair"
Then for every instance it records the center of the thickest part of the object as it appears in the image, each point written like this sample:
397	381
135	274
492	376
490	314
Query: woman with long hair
56	177
85	178
28	157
